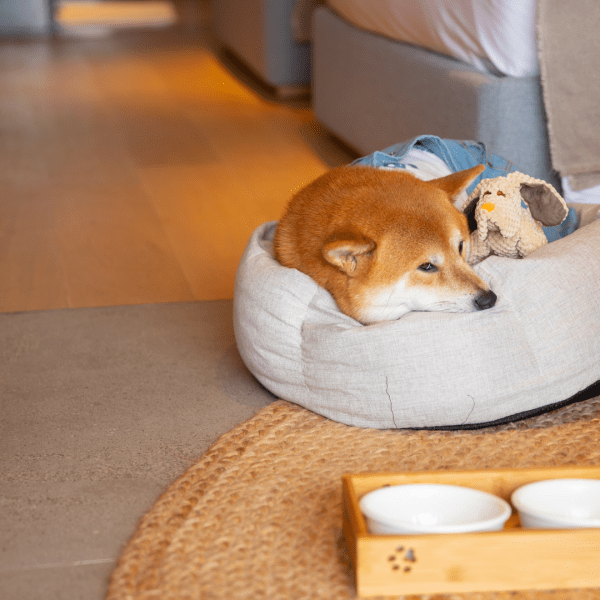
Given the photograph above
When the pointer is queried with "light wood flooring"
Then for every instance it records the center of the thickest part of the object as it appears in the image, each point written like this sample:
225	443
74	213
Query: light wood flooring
134	167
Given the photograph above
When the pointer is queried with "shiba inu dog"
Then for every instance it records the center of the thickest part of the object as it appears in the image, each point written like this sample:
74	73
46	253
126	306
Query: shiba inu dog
383	242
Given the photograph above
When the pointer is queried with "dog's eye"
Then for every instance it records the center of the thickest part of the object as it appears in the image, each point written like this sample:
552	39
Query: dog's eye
460	247
428	268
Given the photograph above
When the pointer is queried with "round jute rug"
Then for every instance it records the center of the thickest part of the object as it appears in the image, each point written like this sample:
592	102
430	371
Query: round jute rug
259	516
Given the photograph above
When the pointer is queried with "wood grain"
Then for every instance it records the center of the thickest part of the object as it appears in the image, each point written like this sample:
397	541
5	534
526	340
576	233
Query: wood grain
134	168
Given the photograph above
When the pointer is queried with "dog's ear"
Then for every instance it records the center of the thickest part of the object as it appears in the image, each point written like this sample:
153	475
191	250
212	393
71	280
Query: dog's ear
349	252
455	183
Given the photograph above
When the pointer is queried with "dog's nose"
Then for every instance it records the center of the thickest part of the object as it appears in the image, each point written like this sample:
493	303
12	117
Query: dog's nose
485	300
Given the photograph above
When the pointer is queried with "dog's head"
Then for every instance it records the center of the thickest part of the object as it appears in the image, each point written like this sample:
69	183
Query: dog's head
384	243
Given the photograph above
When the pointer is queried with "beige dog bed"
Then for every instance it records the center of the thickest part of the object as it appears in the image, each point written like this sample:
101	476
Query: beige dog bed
537	349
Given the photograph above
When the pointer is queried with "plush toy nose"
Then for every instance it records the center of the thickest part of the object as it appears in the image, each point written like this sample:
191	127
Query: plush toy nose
485	300
488	206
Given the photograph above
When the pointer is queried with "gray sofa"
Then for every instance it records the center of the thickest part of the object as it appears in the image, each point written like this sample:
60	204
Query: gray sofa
373	92
259	32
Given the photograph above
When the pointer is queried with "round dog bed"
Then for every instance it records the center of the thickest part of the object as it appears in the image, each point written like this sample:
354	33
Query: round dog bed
537	349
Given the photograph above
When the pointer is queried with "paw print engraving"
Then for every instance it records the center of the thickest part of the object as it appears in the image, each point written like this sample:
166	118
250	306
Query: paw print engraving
399	559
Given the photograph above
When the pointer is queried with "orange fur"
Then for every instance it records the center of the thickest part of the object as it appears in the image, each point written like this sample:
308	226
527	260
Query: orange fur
367	234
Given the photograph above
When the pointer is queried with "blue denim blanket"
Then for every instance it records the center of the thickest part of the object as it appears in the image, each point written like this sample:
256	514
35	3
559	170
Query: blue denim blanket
460	155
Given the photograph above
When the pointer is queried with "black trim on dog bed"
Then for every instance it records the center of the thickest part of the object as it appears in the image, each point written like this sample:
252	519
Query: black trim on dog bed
589	392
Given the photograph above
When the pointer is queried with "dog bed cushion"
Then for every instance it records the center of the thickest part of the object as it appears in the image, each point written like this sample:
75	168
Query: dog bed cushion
537	349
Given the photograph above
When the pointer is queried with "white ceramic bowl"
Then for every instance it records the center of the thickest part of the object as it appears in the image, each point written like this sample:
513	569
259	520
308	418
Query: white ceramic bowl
432	508
559	503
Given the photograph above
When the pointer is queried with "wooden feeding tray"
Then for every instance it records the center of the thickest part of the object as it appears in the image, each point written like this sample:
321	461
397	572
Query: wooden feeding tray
511	559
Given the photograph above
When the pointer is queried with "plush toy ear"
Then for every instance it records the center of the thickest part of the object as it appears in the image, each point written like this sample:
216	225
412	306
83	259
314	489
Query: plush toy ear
348	252
455	183
470	205
483	218
544	202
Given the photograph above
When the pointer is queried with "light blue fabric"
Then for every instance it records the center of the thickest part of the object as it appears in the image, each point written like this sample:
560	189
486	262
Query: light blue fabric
460	155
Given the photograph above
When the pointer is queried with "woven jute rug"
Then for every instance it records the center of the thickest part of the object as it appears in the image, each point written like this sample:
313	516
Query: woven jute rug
260	516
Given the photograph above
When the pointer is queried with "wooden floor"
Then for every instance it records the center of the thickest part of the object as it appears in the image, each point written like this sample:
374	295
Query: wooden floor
133	167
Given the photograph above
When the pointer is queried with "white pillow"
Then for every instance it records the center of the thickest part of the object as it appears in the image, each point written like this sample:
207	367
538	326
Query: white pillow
539	346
